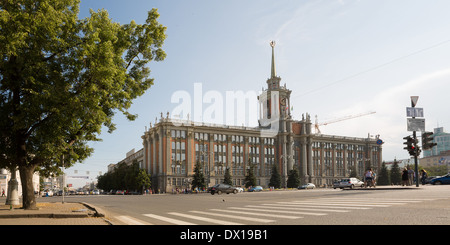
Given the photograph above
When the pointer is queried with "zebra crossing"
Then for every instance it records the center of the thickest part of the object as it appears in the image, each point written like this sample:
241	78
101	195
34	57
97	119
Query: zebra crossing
267	213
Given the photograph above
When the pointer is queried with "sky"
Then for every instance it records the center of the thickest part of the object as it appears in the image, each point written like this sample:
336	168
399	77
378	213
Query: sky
339	57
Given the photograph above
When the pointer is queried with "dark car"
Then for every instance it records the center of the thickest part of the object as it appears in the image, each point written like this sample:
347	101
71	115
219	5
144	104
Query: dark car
223	188
441	180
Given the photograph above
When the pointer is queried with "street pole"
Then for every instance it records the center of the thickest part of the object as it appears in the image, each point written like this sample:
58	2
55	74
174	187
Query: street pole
64	179
416	170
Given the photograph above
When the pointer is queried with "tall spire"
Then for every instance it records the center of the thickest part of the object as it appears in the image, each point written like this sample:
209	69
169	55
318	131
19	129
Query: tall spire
273	71
273	82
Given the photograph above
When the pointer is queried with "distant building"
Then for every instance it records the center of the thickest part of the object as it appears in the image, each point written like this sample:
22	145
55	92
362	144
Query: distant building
401	163
442	140
131	156
172	148
436	160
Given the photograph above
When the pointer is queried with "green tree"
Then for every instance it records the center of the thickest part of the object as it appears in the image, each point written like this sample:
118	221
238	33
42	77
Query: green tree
63	78
143	180
275	177
227	177
125	177
383	176
199	178
353	173
396	175
293	178
250	178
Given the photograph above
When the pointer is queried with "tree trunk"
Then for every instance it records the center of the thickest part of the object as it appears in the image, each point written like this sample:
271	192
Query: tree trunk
26	177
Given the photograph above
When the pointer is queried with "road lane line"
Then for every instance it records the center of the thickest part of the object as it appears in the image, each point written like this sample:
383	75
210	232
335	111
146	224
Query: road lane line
235	217
252	207
371	200
169	220
343	204
220	222
131	221
258	214
316	205
291	207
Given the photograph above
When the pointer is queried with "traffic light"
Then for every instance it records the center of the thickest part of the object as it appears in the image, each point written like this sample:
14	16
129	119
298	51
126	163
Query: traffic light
427	140
411	146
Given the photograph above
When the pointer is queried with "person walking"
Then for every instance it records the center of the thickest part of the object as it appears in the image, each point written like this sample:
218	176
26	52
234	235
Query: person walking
368	176
410	176
424	176
374	179
405	177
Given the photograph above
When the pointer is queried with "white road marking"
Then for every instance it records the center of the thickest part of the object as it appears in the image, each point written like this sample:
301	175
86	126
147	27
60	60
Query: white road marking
235	217
169	220
220	222
131	221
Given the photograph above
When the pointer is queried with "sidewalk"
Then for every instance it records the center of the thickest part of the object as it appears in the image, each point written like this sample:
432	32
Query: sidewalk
385	187
56	213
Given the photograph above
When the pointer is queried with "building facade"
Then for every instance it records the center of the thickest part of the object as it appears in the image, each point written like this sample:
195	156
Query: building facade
442	139
172	147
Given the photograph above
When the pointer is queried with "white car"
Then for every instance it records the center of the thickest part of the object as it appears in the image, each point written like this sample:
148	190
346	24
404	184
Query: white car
307	186
351	183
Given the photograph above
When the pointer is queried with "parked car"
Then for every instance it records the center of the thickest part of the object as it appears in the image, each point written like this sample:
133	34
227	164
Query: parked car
222	188
336	183
120	192
441	180
240	189
96	192
307	186
351	183
255	188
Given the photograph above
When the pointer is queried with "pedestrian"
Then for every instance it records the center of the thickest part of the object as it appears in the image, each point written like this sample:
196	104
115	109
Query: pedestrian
424	176
374	179
368	175
405	177
3	192
410	176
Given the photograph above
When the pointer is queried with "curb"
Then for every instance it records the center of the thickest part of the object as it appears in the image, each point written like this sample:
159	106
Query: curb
43	215
97	213
382	189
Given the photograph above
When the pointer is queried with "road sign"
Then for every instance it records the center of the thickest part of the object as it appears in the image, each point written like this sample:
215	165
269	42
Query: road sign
414	100
416	124
414	112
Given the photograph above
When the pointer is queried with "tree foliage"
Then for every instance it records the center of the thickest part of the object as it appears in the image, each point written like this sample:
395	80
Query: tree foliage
395	173
125	177
198	178
63	78
293	178
383	176
250	178
275	178
227	177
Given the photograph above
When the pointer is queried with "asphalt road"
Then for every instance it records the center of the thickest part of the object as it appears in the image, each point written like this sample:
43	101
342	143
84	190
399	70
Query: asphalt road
426	205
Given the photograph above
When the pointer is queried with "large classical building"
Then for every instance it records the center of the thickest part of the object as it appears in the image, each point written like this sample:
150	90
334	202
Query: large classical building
172	147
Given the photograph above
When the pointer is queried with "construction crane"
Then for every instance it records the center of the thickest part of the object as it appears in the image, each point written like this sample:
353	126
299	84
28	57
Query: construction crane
317	124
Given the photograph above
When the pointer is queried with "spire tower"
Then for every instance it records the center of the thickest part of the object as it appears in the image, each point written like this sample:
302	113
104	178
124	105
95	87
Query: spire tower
273	71
273	82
